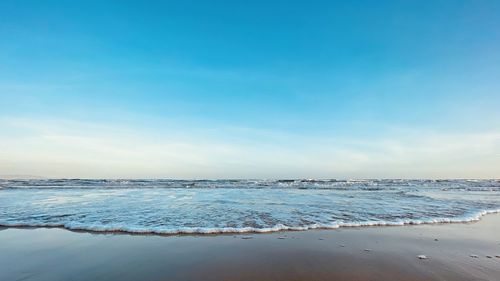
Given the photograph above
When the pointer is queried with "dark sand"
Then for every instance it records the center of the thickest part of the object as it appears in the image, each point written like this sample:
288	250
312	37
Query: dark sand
58	254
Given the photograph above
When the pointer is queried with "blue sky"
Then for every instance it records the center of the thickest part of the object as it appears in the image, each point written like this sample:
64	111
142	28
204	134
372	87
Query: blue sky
238	89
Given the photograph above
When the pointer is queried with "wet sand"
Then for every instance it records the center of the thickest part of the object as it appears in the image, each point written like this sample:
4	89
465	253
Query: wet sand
369	253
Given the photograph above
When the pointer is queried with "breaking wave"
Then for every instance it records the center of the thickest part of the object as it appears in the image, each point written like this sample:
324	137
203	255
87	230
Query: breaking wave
241	206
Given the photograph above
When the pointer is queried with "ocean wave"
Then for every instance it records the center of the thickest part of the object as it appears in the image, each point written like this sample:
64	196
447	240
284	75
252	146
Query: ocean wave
234	230
231	206
335	184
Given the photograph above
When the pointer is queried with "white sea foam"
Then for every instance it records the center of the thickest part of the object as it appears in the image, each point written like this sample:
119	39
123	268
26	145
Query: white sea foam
276	228
161	207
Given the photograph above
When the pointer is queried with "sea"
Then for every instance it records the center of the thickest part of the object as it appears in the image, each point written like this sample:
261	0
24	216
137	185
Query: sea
171	207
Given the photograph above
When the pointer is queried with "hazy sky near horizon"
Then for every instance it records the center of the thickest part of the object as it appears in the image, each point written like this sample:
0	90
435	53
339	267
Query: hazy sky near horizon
250	89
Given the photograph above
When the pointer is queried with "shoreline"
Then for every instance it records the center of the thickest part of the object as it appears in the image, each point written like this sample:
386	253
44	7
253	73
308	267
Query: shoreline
454	251
469	219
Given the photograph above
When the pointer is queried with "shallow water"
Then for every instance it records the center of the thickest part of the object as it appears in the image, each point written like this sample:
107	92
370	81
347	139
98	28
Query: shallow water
177	206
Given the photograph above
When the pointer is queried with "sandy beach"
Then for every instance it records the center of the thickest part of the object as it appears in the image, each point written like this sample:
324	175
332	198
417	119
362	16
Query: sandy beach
465	251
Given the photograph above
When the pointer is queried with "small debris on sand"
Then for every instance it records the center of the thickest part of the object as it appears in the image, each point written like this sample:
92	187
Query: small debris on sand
281	237
497	256
436	239
321	239
246	237
368	250
474	256
490	257
342	245
422	257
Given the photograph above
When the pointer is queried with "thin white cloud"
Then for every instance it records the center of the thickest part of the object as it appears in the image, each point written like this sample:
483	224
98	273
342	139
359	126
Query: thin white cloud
54	148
